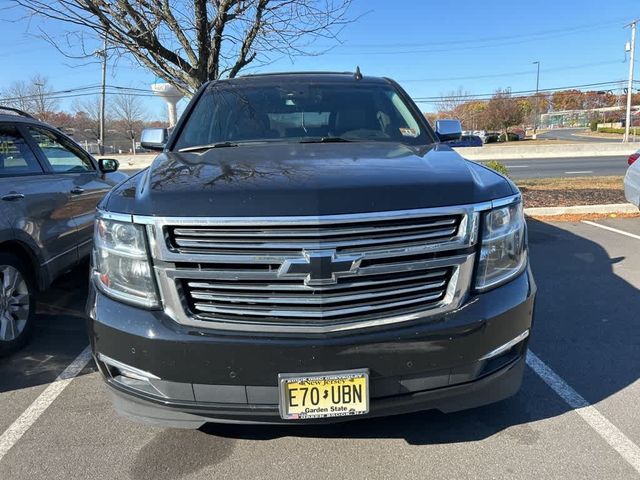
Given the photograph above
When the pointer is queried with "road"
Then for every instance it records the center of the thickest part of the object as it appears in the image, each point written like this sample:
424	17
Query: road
569	134
586	338
566	167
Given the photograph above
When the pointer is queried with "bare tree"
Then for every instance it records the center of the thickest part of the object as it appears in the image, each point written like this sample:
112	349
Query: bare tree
130	116
461	105
17	95
43	103
190	42
449	102
87	115
35	97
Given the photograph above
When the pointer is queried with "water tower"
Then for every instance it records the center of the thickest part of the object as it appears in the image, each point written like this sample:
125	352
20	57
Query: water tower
171	95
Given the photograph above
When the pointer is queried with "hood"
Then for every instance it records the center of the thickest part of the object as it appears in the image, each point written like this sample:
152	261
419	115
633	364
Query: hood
305	179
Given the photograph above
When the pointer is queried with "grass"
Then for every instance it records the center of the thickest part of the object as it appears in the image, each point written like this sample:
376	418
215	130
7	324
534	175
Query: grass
572	183
619	131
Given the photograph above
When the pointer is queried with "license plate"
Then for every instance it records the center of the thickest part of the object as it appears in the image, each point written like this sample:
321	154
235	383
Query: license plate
322	395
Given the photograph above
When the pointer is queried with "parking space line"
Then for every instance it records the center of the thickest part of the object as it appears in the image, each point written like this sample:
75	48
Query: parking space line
611	229
607	430
18	428
581	171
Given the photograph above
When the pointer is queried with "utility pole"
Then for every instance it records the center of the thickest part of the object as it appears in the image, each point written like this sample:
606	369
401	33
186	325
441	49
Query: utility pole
103	94
535	120
630	85
39	101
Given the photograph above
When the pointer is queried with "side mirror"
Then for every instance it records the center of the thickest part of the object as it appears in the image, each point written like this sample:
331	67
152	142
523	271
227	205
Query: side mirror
108	165
448	130
154	138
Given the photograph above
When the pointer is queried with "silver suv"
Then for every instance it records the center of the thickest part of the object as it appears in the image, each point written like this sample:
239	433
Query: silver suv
49	188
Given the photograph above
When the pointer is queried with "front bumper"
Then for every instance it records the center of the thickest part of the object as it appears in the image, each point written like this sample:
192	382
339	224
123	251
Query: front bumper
195	376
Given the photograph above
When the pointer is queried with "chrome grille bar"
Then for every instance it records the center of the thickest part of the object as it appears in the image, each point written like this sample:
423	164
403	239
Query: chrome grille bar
257	244
309	300
324	313
218	239
325	289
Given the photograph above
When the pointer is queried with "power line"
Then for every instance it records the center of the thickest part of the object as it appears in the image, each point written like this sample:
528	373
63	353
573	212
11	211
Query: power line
509	74
544	33
86	91
477	44
94	90
486	96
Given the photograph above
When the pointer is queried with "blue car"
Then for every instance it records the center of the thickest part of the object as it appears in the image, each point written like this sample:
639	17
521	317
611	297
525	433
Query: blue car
466	141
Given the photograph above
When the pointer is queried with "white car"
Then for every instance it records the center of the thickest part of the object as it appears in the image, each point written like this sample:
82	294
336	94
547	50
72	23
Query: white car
632	180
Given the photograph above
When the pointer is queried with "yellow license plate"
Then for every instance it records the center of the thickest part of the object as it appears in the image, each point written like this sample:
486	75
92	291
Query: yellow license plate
321	395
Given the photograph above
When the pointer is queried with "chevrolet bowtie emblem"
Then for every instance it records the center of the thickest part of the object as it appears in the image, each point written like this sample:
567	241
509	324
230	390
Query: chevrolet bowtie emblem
320	267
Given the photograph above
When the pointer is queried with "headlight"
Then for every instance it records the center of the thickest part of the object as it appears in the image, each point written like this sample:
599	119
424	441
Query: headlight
502	253
121	264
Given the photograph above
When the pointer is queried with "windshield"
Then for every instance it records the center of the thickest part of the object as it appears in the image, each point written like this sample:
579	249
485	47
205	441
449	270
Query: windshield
300	112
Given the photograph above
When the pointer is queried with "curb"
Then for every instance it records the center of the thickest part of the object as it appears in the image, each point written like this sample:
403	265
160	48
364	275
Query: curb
582	209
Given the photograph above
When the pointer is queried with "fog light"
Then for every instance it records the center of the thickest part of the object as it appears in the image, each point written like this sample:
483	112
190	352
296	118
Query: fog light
130	377
506	347
126	370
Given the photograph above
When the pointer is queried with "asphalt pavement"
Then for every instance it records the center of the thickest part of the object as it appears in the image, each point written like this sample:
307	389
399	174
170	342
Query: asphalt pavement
570	134
576	415
566	167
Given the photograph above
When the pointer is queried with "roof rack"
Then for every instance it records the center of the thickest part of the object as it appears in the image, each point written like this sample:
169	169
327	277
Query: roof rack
302	72
17	111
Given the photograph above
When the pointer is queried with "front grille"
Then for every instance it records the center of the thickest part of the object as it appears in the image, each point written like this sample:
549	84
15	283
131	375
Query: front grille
313	274
348	300
292	239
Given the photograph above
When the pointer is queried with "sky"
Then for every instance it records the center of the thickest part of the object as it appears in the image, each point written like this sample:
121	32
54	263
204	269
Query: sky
430	47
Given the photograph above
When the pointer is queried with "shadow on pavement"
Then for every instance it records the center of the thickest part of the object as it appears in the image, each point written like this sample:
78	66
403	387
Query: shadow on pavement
586	329
58	337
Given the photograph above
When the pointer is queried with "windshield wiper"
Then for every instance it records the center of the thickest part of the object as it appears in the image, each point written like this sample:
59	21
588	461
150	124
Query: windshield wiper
208	146
325	140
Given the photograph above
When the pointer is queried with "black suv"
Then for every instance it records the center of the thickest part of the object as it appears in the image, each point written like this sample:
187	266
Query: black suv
49	189
304	249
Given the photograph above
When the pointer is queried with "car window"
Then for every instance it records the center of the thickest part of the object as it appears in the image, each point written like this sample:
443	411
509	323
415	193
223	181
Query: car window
16	158
61	154
296	111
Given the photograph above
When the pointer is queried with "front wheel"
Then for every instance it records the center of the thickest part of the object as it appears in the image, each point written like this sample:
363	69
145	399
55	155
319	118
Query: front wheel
17	303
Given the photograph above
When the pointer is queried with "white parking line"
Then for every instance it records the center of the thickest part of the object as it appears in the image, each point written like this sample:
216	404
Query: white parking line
607	430
517	166
611	229
581	171
18	428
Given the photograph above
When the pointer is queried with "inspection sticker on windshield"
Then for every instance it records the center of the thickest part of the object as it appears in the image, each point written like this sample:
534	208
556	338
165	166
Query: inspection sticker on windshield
322	395
409	132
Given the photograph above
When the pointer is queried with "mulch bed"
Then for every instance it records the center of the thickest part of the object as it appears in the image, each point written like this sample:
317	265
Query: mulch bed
569	197
583	216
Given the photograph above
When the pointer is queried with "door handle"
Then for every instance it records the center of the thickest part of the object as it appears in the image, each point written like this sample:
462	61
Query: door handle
77	190
12	197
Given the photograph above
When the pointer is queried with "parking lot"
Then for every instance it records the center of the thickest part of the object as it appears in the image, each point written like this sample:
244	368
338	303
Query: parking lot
576	415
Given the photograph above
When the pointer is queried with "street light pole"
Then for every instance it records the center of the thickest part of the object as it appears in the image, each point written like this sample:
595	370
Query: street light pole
535	120
630	85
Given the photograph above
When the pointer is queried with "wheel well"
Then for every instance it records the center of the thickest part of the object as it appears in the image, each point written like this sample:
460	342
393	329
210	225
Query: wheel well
23	252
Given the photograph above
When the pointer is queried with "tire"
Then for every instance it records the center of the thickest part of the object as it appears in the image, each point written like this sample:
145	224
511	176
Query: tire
17	303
